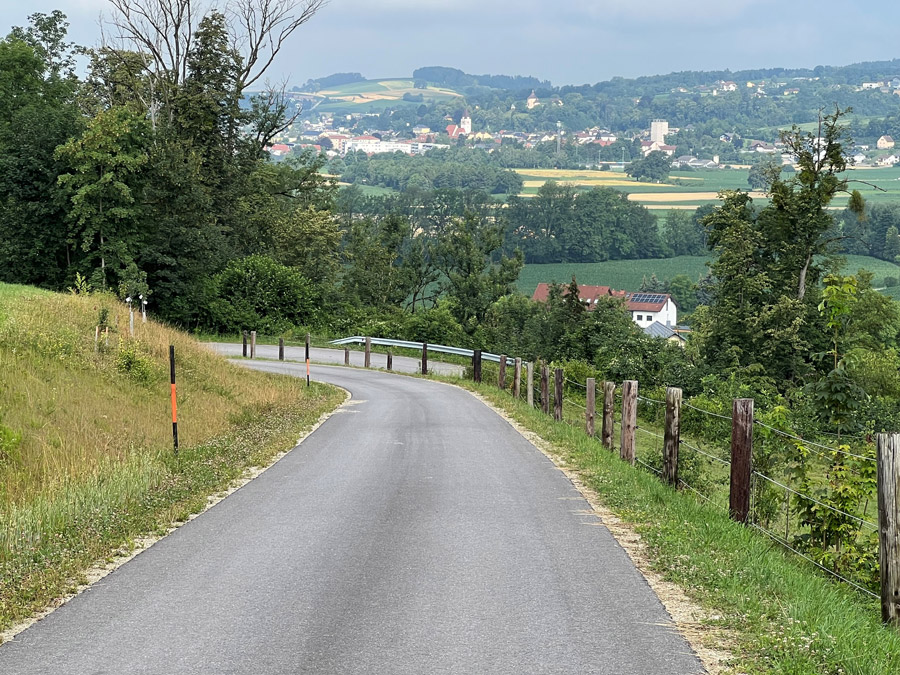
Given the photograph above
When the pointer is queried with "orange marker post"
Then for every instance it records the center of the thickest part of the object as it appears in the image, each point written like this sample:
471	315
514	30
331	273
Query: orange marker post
174	402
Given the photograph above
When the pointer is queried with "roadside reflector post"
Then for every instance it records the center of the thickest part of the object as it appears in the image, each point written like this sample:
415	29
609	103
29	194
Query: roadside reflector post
281	349
424	358
174	402
390	360
244	333
346	356
307	359
476	365
368	362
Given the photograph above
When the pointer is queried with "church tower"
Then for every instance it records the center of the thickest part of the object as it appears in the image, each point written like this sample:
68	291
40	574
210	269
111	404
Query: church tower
466	123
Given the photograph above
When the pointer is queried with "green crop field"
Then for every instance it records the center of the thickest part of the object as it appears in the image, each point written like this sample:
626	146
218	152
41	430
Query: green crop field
628	274
375	95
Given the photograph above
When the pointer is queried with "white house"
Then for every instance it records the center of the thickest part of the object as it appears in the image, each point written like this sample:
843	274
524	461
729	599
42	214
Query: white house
645	308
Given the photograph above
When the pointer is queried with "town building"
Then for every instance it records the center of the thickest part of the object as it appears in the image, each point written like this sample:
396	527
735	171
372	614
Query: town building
532	101
885	143
645	308
658	131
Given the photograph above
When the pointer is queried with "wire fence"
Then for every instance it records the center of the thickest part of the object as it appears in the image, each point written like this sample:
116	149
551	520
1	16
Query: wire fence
704	465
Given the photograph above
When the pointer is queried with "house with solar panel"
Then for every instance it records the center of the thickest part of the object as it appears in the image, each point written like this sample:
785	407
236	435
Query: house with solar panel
646	309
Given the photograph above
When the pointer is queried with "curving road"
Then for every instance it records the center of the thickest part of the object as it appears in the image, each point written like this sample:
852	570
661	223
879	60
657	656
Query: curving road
414	532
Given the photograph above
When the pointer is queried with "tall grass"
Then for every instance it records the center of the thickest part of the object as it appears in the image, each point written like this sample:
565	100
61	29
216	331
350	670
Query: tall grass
86	460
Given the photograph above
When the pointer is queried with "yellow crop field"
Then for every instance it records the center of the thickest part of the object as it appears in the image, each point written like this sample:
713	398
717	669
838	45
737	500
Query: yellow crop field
681	196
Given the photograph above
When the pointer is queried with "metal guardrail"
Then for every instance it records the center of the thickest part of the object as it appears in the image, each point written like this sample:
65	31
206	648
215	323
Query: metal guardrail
407	344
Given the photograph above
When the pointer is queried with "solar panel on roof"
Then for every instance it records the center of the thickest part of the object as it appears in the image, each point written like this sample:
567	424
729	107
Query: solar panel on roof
648	297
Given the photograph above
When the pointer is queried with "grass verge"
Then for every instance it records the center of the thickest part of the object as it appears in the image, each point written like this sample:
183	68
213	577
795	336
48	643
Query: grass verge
86	463
786	618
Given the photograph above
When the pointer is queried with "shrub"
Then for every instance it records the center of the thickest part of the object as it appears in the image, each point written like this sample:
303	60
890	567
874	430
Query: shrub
891	281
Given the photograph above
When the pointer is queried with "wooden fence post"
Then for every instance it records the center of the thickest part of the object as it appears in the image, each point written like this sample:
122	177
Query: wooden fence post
424	358
590	406
252	344
558	396
368	360
244	335
529	386
609	414
390	361
672	435
629	420
741	455
501	378
476	365
545	389
346	356
888	446
517	379
281	349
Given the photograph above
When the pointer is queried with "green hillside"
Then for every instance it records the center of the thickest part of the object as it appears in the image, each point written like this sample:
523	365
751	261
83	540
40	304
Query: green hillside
628	274
375	95
86	459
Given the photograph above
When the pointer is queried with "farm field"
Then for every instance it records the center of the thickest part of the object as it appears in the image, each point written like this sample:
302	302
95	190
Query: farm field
696	188
372	95
628	274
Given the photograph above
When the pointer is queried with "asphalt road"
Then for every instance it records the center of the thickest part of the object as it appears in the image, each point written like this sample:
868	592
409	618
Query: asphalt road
401	364
414	532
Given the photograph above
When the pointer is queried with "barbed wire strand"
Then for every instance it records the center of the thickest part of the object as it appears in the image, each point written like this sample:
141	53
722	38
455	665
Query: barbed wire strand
816	501
706	412
774	537
706	454
818	445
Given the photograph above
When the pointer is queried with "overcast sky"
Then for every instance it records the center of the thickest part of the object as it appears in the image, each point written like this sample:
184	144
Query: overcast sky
567	41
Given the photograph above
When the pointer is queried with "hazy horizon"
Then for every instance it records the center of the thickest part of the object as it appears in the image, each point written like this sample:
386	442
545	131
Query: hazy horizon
580	43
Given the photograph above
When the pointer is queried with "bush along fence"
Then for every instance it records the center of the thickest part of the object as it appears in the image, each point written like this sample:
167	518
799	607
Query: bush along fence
831	499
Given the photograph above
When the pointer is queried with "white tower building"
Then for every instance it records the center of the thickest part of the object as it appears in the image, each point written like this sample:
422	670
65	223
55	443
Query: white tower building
658	131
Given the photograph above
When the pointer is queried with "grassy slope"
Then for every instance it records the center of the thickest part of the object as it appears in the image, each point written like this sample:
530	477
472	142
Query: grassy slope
782	615
87	462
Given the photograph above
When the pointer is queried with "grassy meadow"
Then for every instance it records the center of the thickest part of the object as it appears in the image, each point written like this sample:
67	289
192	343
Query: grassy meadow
375	95
628	274
86	460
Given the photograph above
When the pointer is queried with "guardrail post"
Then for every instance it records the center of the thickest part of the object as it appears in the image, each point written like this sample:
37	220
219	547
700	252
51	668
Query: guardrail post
590	406
741	454
558	396
629	420
424	358
609	414
517	379
529	386
346	356
281	349
390	361
889	525
252	344
476	365
545	389
368	361
672	435
501	378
